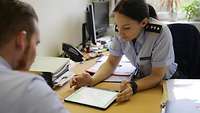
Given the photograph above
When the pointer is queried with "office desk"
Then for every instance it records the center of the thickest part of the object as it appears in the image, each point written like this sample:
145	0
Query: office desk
143	102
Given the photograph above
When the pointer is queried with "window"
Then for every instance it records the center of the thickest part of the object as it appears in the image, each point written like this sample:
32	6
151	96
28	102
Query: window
169	9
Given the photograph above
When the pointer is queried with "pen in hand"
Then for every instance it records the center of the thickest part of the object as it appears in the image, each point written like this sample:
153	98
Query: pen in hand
73	81
125	92
123	85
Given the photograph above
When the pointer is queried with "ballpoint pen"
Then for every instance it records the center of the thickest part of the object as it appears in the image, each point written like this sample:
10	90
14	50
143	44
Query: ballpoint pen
163	108
133	74
164	100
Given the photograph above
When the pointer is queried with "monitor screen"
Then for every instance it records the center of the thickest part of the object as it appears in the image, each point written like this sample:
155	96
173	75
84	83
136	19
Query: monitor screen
90	24
101	16
97	21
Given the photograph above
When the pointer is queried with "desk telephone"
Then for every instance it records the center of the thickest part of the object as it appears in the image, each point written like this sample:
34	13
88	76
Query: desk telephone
72	52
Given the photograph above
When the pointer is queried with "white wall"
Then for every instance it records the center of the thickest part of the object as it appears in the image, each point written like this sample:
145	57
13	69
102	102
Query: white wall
59	21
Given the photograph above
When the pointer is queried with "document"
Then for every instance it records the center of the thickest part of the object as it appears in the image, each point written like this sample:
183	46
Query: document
104	58
48	64
123	68
56	66
117	79
94	97
183	96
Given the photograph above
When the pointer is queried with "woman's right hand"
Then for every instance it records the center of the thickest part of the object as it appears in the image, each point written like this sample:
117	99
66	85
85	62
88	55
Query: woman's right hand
80	80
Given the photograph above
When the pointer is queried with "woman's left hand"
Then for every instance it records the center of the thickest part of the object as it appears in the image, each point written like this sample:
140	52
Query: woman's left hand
125	92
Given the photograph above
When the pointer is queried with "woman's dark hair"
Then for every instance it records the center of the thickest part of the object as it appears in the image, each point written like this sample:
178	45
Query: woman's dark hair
152	12
135	9
15	16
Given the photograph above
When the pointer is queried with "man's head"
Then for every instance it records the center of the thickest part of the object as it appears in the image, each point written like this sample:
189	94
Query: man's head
19	33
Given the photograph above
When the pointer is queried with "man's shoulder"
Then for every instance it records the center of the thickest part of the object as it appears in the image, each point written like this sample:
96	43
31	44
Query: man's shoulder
38	93
18	77
31	82
20	83
30	92
19	87
26	78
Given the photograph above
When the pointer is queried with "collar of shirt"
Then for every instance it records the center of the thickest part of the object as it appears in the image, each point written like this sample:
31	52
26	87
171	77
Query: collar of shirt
140	38
4	64
139	42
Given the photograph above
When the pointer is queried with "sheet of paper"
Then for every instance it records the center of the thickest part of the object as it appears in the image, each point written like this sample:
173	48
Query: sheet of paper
122	69
183	96
104	58
93	97
48	64
64	78
117	78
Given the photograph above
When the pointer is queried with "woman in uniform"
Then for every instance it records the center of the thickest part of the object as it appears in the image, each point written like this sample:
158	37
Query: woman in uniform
144	41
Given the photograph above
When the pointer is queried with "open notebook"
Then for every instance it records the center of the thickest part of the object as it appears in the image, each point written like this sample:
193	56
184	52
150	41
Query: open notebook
93	97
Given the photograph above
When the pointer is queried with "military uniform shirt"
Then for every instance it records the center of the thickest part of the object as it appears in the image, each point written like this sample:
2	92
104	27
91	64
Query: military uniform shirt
22	92
151	49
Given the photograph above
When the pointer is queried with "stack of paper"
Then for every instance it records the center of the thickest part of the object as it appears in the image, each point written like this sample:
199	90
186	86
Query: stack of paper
48	64
58	67
183	96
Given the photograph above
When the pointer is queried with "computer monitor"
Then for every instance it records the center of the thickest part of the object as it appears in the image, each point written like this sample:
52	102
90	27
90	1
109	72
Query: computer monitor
90	24
97	21
101	17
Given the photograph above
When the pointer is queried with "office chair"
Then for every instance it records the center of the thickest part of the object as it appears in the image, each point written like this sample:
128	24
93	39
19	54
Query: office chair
186	42
152	12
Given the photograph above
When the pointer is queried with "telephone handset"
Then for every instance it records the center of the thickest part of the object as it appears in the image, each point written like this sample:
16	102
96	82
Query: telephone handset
72	52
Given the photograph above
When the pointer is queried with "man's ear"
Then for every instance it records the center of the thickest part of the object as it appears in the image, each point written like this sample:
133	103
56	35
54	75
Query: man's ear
21	40
144	22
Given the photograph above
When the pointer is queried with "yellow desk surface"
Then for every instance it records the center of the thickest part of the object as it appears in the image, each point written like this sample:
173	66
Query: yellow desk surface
143	102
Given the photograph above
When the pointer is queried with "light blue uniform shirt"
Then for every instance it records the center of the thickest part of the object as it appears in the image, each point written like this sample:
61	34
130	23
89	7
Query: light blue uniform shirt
22	92
150	50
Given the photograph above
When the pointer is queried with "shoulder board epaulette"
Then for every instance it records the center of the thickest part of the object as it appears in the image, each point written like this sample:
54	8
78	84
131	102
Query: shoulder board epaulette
153	28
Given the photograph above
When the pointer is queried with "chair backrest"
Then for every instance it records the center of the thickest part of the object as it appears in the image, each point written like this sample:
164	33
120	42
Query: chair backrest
186	42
